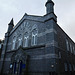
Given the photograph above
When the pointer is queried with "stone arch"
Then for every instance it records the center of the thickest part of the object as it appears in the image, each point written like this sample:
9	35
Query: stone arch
18	57
34	27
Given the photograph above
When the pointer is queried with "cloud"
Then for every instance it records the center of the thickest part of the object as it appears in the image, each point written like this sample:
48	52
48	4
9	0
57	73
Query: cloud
7	7
64	9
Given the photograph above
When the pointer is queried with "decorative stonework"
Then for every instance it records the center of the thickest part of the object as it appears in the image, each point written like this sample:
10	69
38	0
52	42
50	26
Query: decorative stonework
19	55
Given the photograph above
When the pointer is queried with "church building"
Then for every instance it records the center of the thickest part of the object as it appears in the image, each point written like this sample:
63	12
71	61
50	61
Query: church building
37	45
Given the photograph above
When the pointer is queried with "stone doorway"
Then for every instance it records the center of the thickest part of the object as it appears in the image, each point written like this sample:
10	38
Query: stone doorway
18	64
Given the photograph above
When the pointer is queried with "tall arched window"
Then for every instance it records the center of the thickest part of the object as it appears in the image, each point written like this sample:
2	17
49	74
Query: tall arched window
20	41
14	43
25	44
67	44
71	47
34	37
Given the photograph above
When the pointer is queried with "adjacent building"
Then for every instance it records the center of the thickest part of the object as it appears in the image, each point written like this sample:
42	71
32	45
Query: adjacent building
1	45
37	46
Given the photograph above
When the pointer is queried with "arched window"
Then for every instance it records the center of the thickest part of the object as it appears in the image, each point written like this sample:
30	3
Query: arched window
14	43
70	67
34	37
71	47
59	55
65	67
19	41
25	44
67	44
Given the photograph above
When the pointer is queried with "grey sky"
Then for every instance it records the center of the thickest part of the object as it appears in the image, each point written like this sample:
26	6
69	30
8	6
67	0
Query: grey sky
64	9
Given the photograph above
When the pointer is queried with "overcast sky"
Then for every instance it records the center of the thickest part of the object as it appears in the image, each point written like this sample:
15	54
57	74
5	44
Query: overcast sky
64	9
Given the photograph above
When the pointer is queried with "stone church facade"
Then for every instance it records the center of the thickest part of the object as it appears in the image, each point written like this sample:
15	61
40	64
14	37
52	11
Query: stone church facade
37	46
